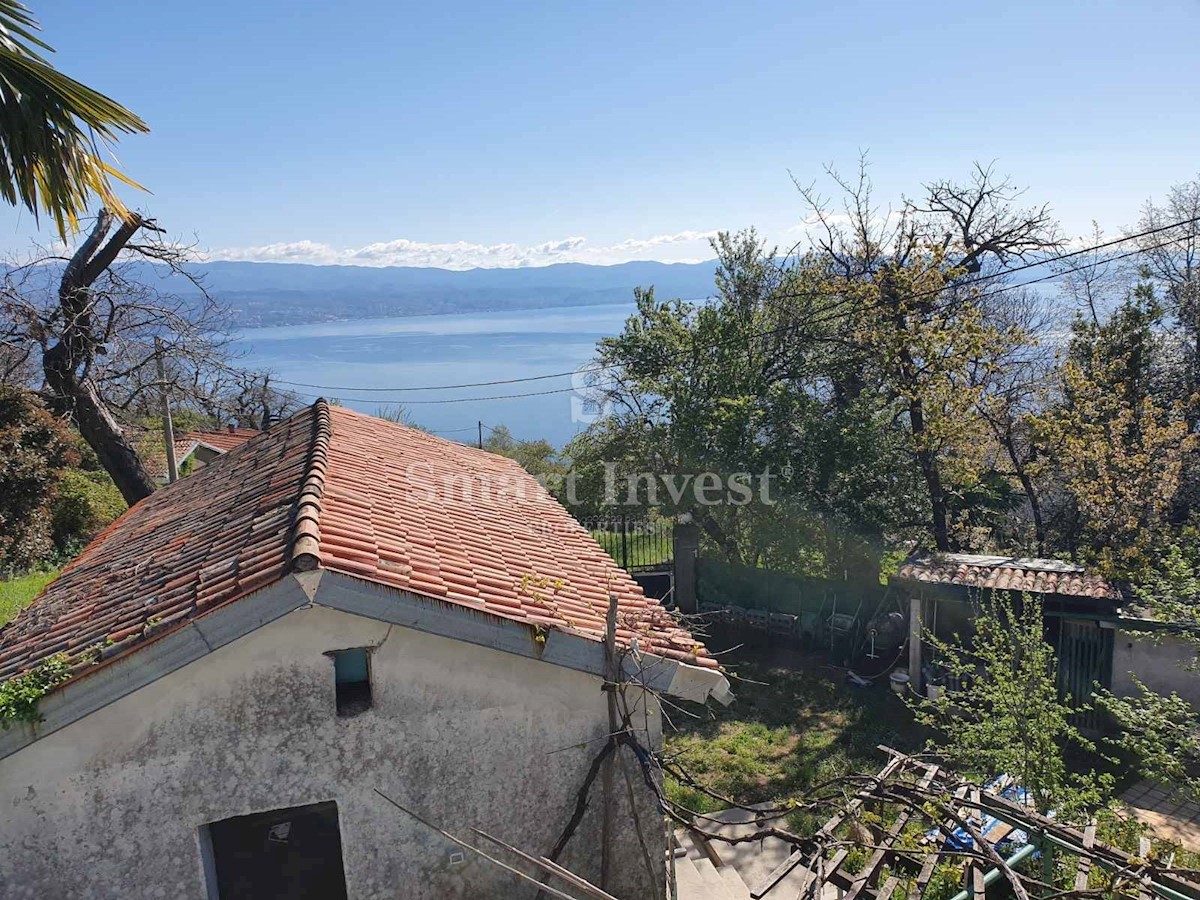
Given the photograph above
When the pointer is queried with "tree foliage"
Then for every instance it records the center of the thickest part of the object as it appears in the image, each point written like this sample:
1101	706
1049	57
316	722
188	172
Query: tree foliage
52	129
35	448
852	374
1116	441
1003	713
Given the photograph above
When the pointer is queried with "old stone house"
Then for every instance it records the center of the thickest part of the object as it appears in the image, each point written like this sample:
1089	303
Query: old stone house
339	607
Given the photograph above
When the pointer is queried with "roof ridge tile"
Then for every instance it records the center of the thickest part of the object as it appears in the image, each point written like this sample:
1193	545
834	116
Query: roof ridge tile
306	526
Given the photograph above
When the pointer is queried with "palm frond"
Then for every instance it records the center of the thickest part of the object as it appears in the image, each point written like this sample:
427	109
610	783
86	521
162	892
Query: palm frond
51	130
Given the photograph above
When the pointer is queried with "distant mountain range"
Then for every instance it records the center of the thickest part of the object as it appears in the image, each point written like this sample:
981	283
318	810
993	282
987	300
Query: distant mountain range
288	293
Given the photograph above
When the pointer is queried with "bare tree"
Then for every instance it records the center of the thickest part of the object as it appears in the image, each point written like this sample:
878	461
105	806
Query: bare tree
1096	281
95	323
1170	258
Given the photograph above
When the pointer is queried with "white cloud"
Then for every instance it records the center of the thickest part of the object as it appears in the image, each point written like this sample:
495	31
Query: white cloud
685	246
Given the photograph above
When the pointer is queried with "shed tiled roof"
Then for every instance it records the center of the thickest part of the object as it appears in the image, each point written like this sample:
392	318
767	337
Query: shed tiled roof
1037	576
223	439
155	461
335	489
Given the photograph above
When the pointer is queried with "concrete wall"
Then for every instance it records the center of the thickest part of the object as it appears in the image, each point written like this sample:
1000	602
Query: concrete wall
113	804
1159	662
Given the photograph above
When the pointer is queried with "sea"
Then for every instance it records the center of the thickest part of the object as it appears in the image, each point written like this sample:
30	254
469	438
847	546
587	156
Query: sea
375	365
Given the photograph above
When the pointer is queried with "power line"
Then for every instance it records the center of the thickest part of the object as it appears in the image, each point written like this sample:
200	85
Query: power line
438	402
815	294
808	323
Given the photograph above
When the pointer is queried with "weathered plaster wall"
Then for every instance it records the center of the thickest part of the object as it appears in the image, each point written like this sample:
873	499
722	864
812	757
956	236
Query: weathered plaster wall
1159	662
112	805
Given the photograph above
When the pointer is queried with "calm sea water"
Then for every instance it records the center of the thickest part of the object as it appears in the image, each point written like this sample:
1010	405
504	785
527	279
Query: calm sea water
448	349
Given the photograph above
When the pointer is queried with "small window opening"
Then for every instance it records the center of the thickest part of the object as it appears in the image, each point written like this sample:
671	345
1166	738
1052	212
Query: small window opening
352	676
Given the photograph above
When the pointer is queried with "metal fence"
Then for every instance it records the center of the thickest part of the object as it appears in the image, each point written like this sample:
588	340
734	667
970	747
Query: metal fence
637	545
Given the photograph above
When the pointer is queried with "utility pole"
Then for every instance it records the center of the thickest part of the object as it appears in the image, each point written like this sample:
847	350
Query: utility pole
481	435
168	429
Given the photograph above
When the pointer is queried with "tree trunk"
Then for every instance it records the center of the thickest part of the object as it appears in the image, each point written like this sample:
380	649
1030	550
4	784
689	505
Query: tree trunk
65	364
97	426
933	478
714	530
1035	507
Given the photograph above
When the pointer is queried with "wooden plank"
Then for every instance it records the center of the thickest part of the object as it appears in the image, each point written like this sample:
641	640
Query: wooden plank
931	860
1106	856
926	873
789	865
1145	891
876	860
974	869
1085	862
978	887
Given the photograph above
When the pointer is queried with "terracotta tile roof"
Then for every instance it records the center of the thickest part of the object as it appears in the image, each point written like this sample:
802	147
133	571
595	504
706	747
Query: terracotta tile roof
1038	576
336	489
224	439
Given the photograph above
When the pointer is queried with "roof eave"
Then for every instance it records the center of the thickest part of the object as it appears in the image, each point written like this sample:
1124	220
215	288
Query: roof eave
145	663
583	653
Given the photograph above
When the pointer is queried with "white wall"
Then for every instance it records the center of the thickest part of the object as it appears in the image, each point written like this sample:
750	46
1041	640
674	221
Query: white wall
112	804
1159	662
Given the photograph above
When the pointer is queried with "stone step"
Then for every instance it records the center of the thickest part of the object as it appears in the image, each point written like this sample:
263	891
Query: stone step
688	883
699	848
684	839
712	879
734	886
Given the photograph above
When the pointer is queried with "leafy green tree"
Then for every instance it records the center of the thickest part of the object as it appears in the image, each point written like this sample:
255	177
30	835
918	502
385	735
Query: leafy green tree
1159	733
1170	259
34	450
52	128
748	386
538	458
1004	714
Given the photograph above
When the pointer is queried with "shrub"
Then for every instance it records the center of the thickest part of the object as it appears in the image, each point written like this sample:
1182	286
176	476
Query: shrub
84	502
35	447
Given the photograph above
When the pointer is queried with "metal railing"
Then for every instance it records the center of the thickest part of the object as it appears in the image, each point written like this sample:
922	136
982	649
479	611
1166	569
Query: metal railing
637	545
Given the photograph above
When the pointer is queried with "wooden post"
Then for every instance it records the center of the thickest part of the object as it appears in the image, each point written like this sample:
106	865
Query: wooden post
685	539
915	629
606	775
168	428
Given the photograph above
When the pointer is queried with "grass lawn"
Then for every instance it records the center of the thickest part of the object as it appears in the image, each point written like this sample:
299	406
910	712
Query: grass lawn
795	723
16	594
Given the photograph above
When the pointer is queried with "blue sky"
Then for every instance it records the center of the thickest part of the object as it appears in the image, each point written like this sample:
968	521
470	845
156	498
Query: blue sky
536	132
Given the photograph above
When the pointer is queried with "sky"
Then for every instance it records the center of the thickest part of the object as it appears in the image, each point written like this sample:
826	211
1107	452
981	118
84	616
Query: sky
480	133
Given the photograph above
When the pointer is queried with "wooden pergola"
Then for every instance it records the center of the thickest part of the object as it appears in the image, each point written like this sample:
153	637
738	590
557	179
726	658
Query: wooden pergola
968	825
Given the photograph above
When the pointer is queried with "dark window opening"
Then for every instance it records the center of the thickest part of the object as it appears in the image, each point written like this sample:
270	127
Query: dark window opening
284	854
352	676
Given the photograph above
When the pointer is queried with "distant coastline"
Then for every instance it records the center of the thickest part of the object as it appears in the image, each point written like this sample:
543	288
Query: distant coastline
247	316
265	294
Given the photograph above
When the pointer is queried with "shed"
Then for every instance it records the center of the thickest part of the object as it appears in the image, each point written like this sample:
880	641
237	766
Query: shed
1080	609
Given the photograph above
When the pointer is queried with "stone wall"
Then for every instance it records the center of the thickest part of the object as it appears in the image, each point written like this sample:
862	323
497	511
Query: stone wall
115	804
